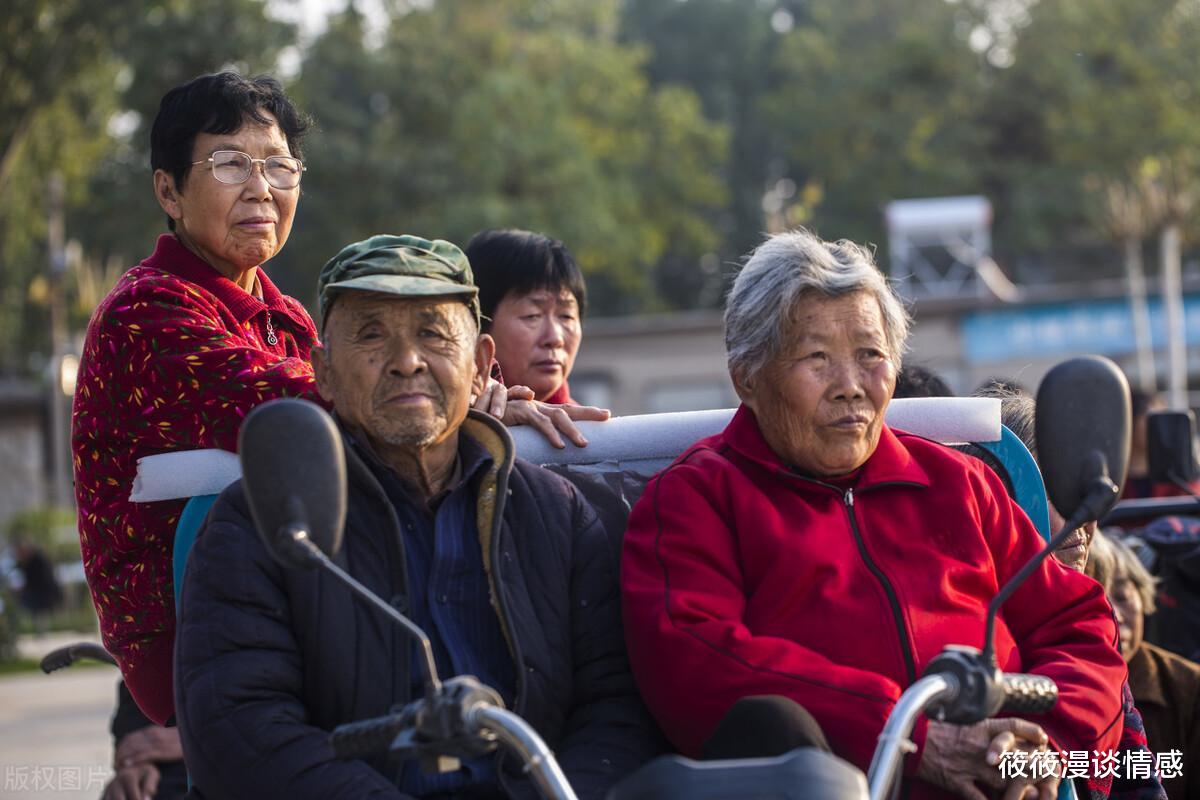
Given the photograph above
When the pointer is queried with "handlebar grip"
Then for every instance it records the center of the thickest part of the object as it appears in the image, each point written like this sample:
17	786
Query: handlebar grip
368	737
1028	694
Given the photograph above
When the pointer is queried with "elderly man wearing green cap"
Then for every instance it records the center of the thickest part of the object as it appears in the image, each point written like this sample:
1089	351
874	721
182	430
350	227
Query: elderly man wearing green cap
501	562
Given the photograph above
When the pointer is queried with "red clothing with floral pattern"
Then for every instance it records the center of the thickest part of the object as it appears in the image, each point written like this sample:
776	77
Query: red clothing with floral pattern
175	356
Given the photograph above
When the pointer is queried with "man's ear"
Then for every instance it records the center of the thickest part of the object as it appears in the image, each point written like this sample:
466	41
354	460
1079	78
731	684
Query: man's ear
167	194
485	353
322	372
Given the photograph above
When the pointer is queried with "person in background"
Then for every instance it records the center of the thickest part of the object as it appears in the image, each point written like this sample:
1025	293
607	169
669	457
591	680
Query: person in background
1165	686
997	386
183	346
917	381
40	592
147	758
533	298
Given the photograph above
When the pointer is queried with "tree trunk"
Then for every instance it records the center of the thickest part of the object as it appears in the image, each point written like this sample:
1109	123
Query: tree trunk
1135	274
1172	297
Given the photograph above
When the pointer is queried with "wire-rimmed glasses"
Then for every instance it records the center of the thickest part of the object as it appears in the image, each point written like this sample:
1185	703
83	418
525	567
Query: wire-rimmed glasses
234	166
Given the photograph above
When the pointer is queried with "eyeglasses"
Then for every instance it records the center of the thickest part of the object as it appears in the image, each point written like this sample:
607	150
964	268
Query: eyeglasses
232	166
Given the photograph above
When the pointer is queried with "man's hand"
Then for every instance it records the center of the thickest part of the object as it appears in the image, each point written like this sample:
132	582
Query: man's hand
148	745
516	406
957	757
136	782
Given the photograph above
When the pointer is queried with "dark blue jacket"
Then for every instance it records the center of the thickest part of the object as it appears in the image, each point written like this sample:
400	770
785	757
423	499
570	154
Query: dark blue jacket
268	660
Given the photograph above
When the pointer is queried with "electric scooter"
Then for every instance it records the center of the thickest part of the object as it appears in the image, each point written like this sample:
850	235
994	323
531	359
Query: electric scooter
1083	425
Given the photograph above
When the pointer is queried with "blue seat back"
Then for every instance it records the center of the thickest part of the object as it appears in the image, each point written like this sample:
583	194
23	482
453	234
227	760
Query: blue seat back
1025	477
194	513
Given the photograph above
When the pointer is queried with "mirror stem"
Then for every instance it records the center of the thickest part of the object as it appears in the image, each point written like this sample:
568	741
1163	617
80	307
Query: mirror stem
296	539
1101	494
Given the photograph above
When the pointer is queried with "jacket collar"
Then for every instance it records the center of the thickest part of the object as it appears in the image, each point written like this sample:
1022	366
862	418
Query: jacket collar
491	449
1144	682
471	459
890	463
171	256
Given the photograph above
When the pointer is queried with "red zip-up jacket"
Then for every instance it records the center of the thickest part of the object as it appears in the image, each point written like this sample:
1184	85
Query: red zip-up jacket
740	577
174	358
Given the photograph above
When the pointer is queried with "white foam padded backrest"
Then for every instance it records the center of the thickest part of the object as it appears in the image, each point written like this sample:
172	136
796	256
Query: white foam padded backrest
639	438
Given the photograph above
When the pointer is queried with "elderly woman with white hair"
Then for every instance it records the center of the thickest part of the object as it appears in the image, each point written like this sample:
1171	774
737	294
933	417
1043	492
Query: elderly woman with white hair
811	552
1165	685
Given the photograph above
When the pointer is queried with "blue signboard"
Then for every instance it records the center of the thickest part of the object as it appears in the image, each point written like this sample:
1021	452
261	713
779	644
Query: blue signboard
1093	326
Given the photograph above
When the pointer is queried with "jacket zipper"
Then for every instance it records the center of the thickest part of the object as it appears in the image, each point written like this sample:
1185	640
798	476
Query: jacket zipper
901	629
502	602
396	549
518	658
847	496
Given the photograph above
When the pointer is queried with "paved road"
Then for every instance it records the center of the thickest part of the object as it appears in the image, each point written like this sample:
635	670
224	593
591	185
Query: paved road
54	742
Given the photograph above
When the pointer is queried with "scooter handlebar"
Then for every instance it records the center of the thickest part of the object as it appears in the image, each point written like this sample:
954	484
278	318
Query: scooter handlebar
1028	694
369	737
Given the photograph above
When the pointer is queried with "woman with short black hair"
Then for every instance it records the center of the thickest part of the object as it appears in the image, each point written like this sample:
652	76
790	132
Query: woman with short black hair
533	298
183	346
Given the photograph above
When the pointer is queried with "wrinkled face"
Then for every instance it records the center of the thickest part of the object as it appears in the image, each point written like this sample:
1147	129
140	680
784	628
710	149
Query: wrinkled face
233	227
1128	604
820	403
401	370
1073	552
537	336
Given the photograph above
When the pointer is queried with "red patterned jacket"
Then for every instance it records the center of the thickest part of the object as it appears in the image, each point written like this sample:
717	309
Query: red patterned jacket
175	356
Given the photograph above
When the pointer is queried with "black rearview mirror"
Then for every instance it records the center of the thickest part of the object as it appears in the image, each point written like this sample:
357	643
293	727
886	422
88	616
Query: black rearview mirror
294	473
1171	447
1083	427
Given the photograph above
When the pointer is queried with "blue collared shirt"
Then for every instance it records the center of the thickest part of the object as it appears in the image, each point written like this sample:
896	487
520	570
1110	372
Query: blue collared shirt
449	597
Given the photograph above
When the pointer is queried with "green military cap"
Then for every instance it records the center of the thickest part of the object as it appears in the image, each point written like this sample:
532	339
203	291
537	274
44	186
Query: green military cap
408	266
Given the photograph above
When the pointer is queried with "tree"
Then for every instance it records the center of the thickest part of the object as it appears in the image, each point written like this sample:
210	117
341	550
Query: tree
81	84
1098	89
520	113
724	51
877	101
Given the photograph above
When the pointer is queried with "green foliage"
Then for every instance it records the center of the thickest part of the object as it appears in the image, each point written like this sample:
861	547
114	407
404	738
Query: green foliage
876	102
69	67
493	114
724	51
1100	93
50	528
906	98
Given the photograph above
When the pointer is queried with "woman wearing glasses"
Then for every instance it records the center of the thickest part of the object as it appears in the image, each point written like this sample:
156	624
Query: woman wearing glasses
183	346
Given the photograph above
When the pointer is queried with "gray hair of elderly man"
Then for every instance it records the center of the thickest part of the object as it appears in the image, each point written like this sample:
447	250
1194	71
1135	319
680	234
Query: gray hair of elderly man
781	271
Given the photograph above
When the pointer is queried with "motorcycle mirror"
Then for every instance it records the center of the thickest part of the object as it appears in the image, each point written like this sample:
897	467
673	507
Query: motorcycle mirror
1083	427
294	474
1171	446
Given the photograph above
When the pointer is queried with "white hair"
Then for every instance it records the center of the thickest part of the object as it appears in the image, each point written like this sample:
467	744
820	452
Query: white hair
782	270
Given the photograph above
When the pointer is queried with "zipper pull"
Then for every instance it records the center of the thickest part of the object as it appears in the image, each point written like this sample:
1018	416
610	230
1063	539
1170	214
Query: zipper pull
849	498
271	338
